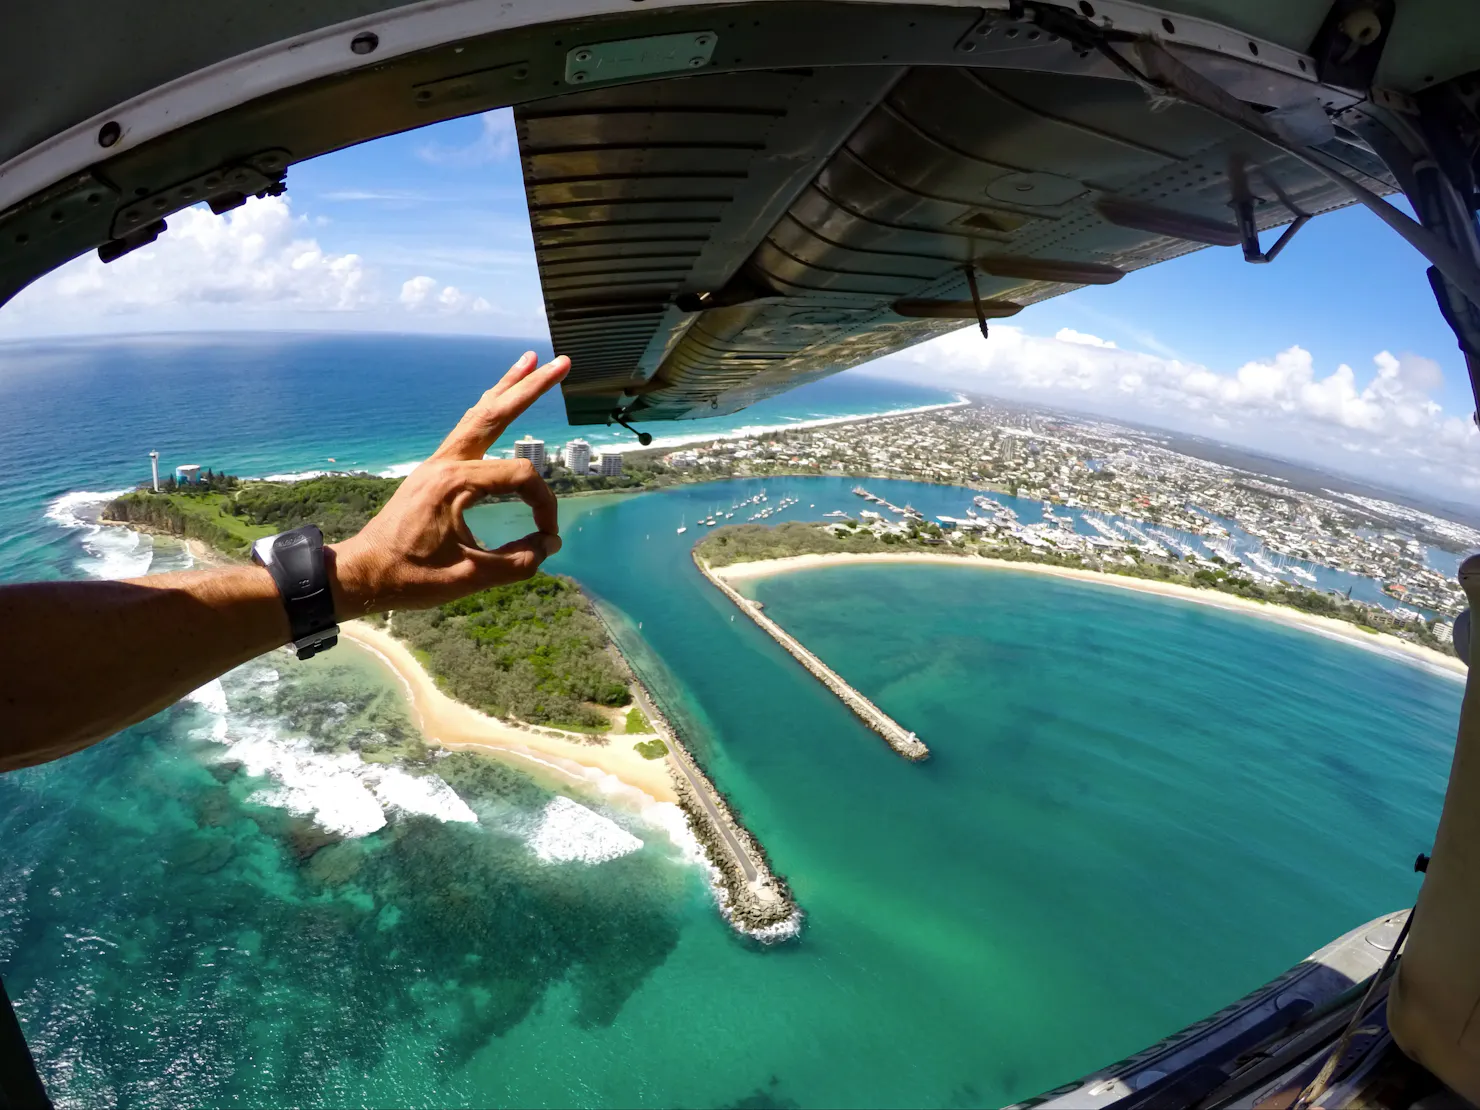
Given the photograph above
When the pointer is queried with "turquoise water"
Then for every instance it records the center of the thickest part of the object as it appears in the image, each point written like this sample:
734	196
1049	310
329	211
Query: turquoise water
1136	810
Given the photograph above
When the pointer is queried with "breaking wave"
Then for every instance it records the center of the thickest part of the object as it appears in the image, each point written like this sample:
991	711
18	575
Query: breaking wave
338	791
568	832
110	552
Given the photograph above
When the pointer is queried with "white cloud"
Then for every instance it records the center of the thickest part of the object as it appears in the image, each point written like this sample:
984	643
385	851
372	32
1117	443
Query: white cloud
260	254
496	142
420	294
1069	335
258	266
1384	425
389	196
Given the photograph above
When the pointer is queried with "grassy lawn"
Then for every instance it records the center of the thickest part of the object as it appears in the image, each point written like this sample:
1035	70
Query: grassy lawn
636	722
651	749
212	508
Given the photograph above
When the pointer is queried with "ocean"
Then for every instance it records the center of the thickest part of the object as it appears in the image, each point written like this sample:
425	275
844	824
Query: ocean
1136	809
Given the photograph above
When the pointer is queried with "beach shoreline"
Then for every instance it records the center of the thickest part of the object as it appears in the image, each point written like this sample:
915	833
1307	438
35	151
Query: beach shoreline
1380	642
448	723
751	897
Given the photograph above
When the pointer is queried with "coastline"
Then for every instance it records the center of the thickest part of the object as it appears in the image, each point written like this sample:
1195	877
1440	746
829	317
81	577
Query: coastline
1380	642
448	723
751	897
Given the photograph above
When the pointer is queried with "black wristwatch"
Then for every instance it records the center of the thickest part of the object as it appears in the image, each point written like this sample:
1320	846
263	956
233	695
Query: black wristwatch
296	562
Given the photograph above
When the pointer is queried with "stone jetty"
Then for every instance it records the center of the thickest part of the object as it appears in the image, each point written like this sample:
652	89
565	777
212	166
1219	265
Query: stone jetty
901	739
753	898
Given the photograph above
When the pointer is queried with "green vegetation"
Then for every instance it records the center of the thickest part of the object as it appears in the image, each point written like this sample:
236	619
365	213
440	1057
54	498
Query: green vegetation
745	543
636	722
748	543
339	504
532	650
638	472
651	749
202	516
229	514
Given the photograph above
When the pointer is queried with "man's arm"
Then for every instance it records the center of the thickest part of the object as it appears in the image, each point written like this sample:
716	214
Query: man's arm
81	660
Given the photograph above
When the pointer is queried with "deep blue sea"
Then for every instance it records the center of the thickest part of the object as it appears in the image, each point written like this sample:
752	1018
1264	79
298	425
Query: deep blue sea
1136	810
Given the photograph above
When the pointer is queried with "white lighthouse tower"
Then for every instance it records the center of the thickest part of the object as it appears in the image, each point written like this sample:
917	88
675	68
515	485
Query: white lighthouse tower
154	467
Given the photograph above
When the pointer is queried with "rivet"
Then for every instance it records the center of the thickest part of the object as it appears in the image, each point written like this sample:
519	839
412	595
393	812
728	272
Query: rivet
161	204
364	43
583	55
93	198
424	94
521	73
578	75
57	215
187	191
109	134
212	181
695	63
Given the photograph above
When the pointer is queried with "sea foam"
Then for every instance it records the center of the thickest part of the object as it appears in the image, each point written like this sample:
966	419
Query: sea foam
568	832
111	552
337	790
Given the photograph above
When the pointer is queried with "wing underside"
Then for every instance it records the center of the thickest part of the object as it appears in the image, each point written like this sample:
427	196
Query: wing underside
708	241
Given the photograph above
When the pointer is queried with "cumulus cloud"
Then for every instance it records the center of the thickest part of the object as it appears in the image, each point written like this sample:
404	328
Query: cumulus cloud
1384	423
260	265
260	254
420	294
1069	335
496	141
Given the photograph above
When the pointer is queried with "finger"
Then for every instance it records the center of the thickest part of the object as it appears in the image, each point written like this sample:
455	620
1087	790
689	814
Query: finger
520	370
516	476
500	406
514	562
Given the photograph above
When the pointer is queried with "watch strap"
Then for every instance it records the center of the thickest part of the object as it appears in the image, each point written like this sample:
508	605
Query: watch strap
295	559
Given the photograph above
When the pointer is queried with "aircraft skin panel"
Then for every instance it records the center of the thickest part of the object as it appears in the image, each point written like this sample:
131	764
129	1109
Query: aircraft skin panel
1009	172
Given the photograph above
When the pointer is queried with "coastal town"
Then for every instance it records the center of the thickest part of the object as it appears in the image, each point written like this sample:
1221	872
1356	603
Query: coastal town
1119	493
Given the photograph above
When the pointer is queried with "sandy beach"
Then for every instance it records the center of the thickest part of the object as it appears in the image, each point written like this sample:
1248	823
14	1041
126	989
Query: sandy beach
1325	626
450	724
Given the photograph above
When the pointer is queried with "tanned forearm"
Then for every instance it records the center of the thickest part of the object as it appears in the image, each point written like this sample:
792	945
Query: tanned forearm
86	659
81	660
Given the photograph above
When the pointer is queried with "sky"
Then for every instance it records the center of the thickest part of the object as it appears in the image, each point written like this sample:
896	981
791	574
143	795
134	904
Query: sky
1334	354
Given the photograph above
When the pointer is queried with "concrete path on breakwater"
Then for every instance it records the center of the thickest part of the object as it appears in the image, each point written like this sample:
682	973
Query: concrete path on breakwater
703	790
901	739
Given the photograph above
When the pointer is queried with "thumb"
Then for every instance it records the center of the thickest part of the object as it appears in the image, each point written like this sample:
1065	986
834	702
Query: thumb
515	561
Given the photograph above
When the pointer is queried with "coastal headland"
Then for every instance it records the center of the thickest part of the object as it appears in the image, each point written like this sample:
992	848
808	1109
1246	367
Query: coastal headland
1310	622
636	767
755	900
901	739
